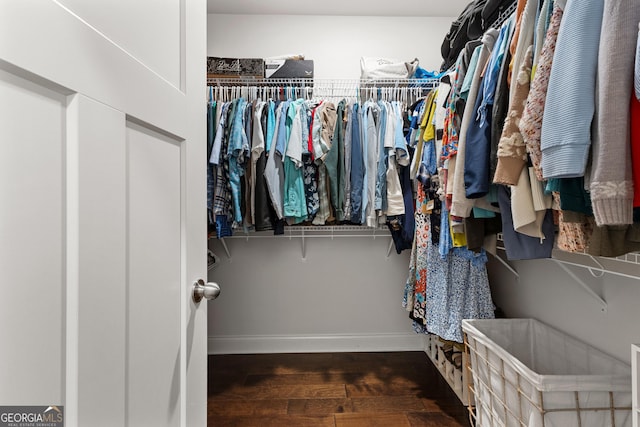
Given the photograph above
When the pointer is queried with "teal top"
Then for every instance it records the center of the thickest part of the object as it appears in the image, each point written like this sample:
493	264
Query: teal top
295	204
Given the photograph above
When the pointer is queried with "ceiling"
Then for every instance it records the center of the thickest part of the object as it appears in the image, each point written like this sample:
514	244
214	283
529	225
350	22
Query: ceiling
447	8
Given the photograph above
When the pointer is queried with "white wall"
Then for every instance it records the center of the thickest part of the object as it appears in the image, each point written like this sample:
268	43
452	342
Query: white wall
346	294
545	292
334	43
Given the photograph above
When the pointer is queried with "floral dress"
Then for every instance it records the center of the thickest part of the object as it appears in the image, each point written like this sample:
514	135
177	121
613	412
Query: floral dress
444	289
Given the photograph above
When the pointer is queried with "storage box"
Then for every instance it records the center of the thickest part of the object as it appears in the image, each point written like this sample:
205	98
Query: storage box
526	373
218	67
288	69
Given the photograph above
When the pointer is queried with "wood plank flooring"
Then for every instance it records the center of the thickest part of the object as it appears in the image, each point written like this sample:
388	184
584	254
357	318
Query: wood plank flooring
388	389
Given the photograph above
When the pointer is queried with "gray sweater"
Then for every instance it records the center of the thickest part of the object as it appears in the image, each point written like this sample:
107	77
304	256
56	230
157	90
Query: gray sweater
611	178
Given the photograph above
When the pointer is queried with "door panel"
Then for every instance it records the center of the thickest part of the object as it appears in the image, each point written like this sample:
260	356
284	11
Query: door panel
32	270
157	45
154	215
102	215
57	46
96	230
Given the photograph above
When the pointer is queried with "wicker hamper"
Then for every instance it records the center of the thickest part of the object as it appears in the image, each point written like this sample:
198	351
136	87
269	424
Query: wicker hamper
526	373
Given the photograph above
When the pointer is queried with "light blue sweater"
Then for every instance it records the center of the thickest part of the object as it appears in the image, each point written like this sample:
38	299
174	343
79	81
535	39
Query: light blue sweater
570	103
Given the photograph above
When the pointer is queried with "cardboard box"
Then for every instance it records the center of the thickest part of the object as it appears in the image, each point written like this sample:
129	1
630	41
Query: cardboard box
288	69
218	67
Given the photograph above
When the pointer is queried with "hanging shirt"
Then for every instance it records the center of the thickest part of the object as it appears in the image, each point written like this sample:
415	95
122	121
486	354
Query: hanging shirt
265	216
257	148
316	128
274	173
383	154
419	147
214	157
322	145
238	146
402	152
357	165
371	157
334	163
310	173
295	207
395	201
347	162
271	125
246	204
211	129
222	194
283	135
220	201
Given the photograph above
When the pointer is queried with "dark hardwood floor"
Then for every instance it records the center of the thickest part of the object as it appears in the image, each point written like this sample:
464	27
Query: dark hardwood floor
392	389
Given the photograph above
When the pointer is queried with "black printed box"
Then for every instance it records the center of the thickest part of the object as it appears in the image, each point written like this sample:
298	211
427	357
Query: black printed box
289	69
235	67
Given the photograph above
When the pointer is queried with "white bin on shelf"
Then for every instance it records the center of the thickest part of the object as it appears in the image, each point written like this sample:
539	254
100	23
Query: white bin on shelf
526	373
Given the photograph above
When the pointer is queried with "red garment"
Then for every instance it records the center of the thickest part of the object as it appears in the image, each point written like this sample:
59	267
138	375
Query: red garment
635	149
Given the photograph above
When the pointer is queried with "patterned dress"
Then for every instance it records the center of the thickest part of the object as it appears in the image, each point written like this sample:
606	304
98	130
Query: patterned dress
443	290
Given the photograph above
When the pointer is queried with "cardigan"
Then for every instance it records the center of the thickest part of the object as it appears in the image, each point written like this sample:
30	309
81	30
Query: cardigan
512	156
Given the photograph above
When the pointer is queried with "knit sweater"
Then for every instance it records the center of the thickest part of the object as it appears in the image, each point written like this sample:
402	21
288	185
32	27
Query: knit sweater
635	149
570	103
531	121
611	178
512	156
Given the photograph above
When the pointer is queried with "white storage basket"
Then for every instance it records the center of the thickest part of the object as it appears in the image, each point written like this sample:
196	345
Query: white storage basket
526	373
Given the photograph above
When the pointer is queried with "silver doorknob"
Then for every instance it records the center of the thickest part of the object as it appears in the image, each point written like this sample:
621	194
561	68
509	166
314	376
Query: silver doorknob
204	290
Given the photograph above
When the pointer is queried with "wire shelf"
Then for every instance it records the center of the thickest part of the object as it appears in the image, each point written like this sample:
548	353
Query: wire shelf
407	90
505	14
313	82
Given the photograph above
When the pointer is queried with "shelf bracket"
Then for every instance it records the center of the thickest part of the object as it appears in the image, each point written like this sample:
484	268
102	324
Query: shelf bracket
304	246
581	282
506	265
226	248
389	248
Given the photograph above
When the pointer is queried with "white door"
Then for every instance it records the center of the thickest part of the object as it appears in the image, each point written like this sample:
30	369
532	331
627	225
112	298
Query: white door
103	210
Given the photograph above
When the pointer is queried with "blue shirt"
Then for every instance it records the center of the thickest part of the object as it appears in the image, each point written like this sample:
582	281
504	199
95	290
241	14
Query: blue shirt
357	166
383	154
237	143
271	125
283	134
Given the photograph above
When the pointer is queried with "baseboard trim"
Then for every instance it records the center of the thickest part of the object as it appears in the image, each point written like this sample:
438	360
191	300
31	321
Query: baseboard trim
246	344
